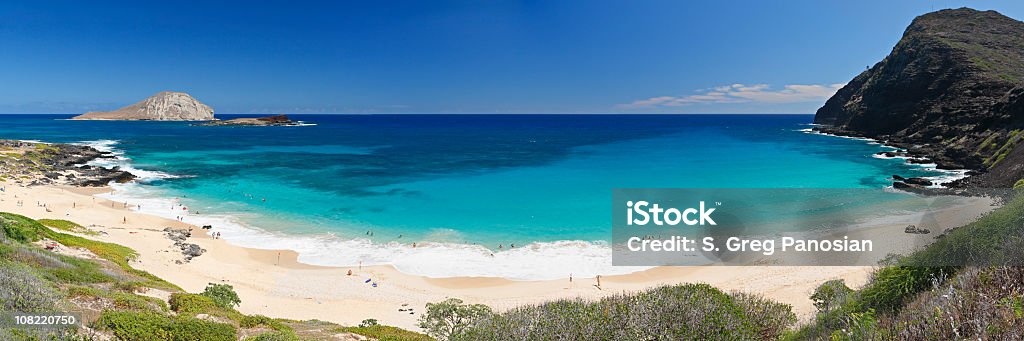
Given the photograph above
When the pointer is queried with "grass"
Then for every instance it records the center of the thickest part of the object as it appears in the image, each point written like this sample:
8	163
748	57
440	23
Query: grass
114	253
120	300
386	333
68	226
1012	139
21	228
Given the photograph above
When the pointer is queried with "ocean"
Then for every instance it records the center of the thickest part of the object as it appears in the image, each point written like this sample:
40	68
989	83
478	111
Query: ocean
361	189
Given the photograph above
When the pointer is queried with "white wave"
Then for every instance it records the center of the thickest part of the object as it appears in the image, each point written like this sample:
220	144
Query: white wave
534	261
946	175
122	162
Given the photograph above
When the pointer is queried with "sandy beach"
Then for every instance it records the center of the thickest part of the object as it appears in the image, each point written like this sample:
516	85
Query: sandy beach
273	283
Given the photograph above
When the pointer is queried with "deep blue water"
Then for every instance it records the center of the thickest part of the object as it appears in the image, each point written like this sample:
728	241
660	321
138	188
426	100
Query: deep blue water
448	182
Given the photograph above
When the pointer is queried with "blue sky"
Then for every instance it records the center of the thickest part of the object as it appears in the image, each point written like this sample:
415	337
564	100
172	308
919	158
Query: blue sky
448	56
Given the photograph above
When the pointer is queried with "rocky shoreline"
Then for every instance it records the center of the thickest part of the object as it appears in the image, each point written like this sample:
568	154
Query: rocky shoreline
36	163
951	93
913	154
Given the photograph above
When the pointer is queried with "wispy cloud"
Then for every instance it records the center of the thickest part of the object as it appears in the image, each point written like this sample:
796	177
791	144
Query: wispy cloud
742	93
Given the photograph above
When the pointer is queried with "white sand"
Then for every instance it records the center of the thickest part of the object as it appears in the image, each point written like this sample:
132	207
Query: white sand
272	283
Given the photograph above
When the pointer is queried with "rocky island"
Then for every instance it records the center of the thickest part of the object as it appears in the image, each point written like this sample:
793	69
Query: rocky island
164	106
950	92
275	120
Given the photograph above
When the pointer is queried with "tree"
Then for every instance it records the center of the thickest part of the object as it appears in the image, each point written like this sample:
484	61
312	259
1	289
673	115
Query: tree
830	295
451	316
222	294
367	323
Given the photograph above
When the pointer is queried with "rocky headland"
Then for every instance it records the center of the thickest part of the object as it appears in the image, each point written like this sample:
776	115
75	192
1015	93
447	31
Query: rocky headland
951	92
164	106
32	163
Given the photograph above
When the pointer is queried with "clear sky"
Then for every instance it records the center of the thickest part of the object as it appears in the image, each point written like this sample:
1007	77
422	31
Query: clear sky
448	56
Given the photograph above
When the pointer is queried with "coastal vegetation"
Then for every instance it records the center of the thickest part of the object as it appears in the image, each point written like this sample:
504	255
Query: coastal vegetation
119	302
680	312
677	312
916	297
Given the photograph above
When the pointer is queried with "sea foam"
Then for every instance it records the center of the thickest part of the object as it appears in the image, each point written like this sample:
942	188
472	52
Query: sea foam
533	261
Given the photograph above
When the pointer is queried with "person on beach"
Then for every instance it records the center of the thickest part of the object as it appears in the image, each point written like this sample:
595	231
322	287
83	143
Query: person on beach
124	220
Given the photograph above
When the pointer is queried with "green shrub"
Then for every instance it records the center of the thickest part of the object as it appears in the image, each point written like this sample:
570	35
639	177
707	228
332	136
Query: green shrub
891	287
33	256
273	336
992	242
81	272
127	325
368	323
22	290
253	321
222	294
680	312
20	228
185	303
451	316
119	299
768	318
860	326
979	303
830	295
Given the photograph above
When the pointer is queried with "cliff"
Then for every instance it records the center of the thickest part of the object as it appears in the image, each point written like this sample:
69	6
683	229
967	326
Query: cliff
164	106
951	90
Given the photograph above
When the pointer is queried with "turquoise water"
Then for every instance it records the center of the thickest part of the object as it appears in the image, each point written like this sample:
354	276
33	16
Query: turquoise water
457	185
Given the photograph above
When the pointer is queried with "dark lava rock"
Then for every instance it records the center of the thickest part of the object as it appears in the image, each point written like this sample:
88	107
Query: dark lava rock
918	181
914	230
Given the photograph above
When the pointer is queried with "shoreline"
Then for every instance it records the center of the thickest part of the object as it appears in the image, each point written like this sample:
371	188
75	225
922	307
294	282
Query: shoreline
958	172
952	175
275	283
